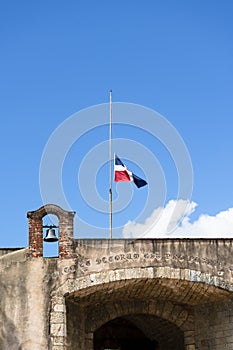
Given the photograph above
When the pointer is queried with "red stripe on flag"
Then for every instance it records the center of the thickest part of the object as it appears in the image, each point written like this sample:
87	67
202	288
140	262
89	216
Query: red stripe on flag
121	176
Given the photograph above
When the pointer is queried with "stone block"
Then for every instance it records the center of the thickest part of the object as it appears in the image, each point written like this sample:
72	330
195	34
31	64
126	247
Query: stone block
190	347
59	308
58	330
57	317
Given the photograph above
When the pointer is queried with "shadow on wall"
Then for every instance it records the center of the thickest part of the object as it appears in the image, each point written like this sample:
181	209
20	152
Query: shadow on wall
8	338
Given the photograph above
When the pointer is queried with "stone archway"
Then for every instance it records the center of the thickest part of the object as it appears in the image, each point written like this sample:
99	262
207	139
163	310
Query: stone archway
94	326
81	306
149	305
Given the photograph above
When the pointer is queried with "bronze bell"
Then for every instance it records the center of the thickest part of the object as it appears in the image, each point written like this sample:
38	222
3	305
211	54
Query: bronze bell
50	235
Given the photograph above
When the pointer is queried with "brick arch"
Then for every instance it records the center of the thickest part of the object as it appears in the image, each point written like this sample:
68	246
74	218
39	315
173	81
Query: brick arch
49	209
35	225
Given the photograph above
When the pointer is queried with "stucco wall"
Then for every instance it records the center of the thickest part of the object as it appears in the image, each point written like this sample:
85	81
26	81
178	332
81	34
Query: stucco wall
24	303
4	251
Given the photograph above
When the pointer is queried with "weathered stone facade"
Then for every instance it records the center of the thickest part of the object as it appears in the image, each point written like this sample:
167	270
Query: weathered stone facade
174	294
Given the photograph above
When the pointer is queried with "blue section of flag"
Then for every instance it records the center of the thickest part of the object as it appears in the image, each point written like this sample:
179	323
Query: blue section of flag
118	161
138	181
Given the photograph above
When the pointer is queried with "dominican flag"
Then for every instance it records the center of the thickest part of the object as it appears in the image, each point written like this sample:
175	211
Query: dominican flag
122	174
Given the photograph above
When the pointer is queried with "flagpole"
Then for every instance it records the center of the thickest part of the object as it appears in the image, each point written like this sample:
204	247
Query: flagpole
110	162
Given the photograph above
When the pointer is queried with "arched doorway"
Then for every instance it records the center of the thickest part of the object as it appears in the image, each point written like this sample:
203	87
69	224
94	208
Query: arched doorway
161	309
136	332
123	315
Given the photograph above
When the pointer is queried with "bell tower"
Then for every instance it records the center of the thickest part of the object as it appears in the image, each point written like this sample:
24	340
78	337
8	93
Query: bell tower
35	226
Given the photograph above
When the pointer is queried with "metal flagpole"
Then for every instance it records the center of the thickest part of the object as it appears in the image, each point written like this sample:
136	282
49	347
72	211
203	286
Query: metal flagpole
110	169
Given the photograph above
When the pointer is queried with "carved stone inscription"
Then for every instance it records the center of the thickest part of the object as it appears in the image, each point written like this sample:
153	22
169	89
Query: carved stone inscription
213	269
157	257
152	259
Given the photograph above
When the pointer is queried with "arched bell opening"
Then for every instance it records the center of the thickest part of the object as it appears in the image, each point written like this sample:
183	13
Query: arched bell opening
35	228
140	331
50	236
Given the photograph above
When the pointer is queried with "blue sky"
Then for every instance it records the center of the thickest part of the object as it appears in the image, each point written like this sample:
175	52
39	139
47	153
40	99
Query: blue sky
58	58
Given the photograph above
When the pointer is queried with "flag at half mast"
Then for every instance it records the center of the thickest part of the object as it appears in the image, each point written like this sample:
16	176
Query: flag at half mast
122	174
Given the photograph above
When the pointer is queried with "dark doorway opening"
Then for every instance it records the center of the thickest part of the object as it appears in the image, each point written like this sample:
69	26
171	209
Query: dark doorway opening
122	334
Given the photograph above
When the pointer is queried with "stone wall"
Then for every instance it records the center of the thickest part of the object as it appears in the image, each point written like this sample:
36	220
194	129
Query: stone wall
210	256
179	293
214	326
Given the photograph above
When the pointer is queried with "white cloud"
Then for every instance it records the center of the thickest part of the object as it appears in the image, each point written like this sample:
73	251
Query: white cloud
173	221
